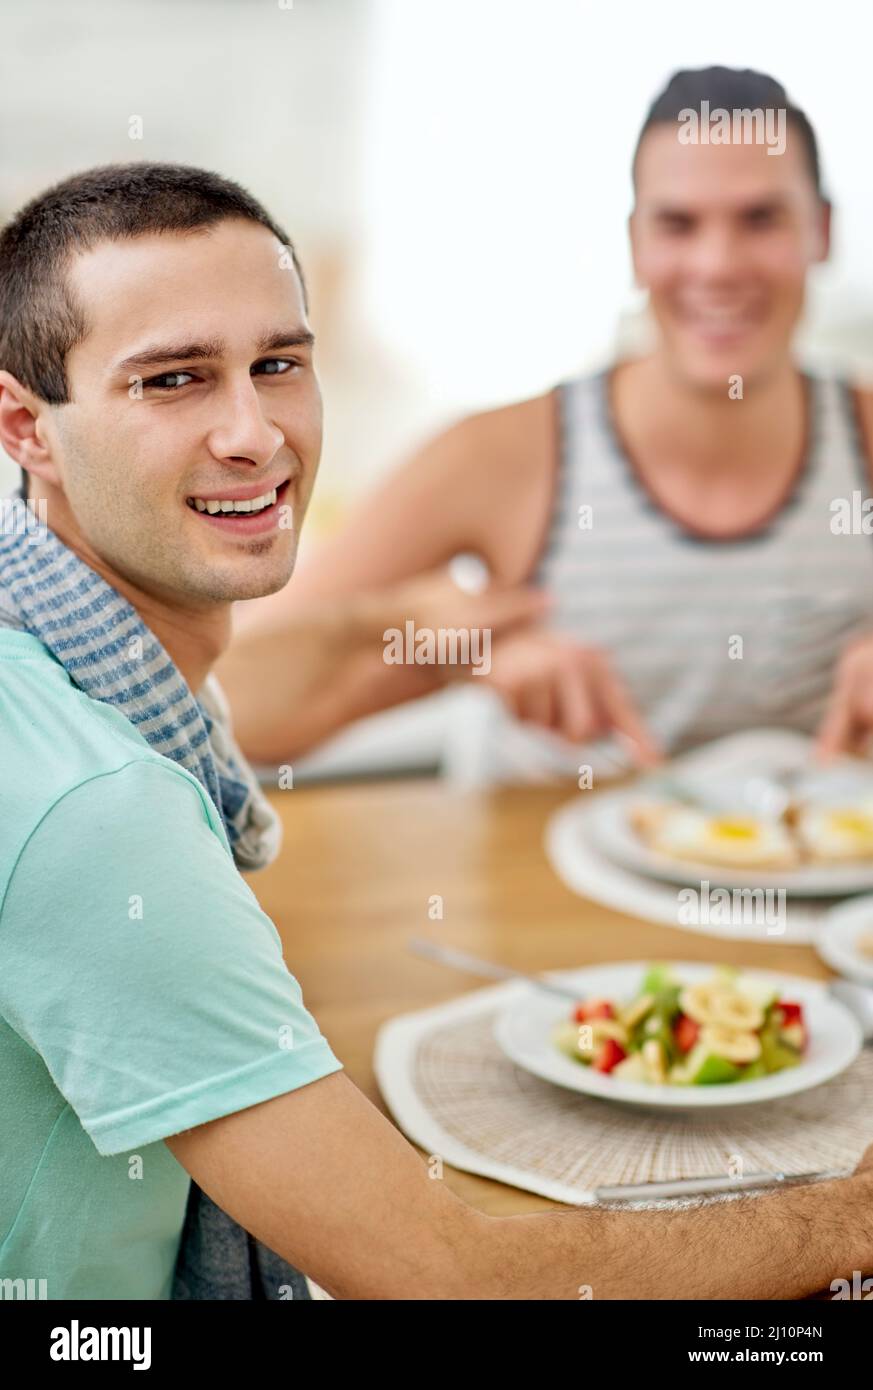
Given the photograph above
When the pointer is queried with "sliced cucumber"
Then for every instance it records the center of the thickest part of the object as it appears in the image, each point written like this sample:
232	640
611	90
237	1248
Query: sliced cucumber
705	1068
754	1071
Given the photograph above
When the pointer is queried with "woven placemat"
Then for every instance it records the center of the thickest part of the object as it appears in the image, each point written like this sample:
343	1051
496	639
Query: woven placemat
454	1092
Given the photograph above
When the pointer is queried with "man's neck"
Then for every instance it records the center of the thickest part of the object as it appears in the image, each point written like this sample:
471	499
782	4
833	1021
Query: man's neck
193	637
708	431
193	640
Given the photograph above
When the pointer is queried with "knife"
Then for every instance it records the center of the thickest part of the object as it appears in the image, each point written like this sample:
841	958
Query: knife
686	1187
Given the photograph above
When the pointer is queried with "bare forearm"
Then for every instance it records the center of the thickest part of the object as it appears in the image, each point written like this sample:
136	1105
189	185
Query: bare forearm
364	686
777	1246
782	1245
321	1177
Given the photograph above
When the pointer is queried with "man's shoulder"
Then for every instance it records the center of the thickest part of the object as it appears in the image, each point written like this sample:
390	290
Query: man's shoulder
49	723
501	461
55	740
507	430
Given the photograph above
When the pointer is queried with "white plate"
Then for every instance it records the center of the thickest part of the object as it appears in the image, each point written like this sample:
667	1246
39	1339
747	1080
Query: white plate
836	937
720	771
524	1032
613	834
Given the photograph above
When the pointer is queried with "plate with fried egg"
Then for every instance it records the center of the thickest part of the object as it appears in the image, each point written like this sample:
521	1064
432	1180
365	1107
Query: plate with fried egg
813	836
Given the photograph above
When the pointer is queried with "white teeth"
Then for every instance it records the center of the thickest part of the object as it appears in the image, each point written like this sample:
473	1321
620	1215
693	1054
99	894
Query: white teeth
255	504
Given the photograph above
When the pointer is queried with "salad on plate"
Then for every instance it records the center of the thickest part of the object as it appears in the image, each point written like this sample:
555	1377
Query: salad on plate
729	1028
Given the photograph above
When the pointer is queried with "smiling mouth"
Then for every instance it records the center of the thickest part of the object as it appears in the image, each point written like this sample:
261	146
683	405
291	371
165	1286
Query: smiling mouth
255	504
255	514
721	322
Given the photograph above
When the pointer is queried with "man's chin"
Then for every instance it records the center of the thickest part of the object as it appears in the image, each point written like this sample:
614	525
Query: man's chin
268	587
259	586
233	584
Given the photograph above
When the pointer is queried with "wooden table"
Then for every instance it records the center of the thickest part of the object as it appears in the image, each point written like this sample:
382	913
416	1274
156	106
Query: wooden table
359	867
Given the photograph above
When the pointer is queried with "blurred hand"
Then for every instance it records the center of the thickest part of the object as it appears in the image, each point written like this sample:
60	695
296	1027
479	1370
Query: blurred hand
848	720
550	680
433	600
297	673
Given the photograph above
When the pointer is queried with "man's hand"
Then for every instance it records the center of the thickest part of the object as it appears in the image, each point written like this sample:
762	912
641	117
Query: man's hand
433	600
848	721
295	676
561	685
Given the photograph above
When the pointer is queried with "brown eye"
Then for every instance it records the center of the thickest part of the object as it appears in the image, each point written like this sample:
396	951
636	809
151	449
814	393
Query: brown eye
277	366
164	382
676	224
762	217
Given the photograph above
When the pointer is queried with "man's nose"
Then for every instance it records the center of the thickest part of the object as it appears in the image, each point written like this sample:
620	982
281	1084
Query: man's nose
243	430
715	254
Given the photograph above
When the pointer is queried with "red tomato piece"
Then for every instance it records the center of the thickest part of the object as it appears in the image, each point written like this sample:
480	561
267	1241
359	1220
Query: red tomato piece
791	1013
686	1031
609	1054
792	1026
594	1008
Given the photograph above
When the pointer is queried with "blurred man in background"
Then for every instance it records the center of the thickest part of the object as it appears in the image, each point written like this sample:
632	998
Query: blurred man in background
680	510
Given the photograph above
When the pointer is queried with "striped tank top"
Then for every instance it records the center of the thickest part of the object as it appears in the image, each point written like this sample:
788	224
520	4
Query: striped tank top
710	636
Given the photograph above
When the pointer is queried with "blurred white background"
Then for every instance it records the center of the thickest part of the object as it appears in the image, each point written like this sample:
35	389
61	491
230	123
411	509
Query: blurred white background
455	174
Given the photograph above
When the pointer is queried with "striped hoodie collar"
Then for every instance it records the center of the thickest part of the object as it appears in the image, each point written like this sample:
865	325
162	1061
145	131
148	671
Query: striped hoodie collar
110	654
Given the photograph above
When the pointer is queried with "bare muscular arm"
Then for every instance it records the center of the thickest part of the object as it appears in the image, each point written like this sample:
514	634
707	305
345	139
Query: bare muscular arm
321	1177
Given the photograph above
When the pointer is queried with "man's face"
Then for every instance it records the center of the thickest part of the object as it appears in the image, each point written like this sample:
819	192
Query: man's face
195	381
723	237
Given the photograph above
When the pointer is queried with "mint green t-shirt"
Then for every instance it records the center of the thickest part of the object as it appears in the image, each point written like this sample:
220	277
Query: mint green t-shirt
142	989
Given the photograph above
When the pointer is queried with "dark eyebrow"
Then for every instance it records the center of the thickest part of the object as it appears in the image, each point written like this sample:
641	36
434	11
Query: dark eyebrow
766	202
157	353
665	210
772	202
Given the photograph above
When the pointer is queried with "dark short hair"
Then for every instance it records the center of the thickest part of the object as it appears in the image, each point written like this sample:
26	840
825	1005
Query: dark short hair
40	319
731	89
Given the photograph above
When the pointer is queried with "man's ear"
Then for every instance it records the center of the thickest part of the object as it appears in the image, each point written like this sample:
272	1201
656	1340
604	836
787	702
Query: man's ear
823	249
24	434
